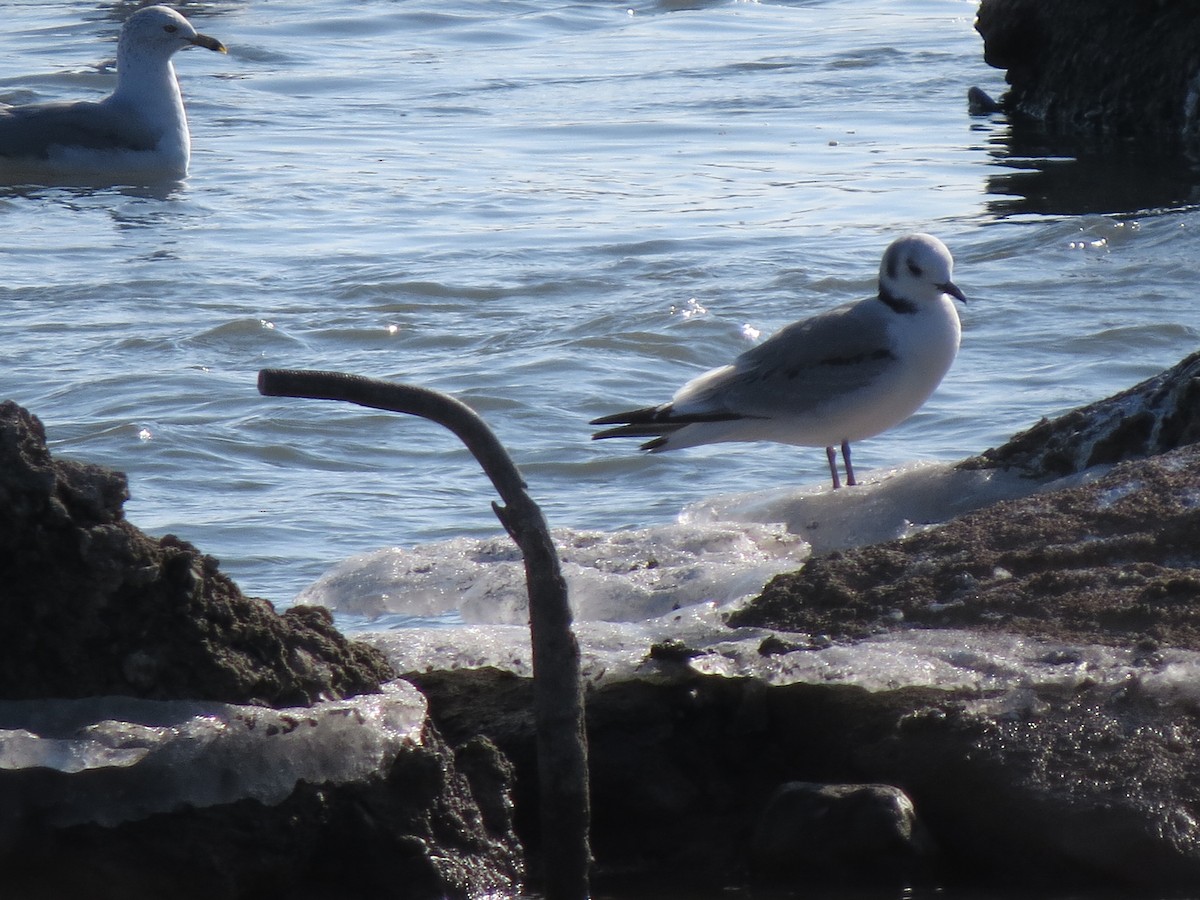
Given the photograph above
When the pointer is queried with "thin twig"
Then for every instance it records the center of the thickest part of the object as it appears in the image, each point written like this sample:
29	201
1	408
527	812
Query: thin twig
557	683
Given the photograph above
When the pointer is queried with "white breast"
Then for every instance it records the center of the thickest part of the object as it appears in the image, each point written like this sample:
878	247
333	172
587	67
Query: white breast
924	345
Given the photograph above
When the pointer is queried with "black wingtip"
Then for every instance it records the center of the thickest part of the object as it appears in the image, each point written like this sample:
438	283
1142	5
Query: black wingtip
635	429
631	417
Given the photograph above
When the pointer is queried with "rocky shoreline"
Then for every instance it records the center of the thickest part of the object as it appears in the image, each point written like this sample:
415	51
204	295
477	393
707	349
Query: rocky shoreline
1008	700
1100	563
1079	777
1077	758
92	608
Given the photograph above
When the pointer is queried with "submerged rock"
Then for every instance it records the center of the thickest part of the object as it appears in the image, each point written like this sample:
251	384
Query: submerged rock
89	605
839	833
1103	68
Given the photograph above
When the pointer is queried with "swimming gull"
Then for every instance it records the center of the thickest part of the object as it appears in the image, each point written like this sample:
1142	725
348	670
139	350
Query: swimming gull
840	376
139	130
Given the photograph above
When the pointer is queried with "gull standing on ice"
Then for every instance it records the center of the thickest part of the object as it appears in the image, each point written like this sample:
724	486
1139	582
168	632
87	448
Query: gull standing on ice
840	376
139	130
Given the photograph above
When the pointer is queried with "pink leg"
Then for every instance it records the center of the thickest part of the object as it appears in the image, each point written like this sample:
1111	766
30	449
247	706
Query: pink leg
846	457
831	455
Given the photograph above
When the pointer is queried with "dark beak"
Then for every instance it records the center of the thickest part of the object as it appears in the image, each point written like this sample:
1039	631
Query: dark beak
952	289
209	43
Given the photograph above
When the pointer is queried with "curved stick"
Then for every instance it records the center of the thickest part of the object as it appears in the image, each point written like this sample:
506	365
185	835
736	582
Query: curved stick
557	683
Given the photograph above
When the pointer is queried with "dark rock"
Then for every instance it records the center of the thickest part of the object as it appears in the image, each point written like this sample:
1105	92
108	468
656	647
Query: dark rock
89	605
673	651
1091	787
681	765
774	645
491	777
979	103
844	833
413	832
1083	789
1110	68
1158	415
1074	790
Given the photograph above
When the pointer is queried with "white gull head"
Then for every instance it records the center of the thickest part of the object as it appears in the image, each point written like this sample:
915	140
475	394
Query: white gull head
146	82
917	268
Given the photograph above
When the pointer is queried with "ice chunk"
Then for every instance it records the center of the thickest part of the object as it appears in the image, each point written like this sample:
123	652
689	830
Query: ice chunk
427	580
720	550
623	576
146	756
21	749
888	504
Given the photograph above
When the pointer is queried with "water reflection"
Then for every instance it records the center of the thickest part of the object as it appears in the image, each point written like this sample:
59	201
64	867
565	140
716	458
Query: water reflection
67	189
1043	174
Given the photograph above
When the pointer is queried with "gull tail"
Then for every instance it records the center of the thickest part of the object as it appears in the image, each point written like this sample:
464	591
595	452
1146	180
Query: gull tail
658	422
644	416
649	421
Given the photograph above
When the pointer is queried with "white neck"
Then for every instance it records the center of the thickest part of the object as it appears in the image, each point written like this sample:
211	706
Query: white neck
147	86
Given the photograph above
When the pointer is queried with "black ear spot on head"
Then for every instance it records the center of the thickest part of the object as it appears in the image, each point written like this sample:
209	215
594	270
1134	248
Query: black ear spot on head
891	266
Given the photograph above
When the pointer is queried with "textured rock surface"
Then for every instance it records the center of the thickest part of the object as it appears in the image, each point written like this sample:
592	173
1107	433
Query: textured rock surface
414	832
1115	561
1076	790
89	605
1158	415
1113	68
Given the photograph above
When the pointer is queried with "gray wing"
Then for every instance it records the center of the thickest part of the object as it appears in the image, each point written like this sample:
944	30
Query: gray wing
799	368
30	131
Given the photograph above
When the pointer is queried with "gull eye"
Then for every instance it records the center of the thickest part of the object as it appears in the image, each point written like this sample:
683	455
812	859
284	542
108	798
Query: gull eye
915	269
170	29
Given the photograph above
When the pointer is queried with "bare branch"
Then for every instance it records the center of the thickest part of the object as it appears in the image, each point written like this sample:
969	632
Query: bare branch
558	692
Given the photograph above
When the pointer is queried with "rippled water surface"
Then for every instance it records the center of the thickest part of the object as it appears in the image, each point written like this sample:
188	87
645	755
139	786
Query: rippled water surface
551	211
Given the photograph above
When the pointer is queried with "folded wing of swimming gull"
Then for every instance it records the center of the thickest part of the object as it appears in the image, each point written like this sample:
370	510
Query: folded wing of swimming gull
140	130
840	376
